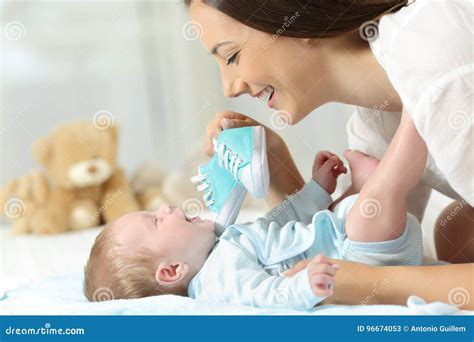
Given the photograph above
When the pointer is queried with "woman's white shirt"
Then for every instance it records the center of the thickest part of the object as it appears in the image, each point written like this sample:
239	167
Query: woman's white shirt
427	52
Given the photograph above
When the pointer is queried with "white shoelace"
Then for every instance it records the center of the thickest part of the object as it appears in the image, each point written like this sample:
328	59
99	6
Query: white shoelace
230	161
203	184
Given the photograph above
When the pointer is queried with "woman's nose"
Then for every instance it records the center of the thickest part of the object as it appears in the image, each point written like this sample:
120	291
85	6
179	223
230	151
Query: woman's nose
234	87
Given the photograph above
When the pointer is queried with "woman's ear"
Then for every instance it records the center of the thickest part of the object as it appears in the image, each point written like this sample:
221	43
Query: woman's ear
169	275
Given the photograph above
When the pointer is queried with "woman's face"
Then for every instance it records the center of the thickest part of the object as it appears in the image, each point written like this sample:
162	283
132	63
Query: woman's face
281	72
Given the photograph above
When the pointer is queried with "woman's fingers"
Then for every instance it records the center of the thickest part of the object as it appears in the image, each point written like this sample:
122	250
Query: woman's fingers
223	120
211	133
234	123
231	115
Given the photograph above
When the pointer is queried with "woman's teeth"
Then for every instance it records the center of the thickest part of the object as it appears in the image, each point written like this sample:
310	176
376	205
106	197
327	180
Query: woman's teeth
266	94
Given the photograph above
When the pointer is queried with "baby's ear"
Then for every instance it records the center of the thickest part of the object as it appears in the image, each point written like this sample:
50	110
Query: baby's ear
170	275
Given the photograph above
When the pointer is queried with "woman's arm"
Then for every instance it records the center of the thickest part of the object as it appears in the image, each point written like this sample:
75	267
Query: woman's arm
285	179
356	283
362	284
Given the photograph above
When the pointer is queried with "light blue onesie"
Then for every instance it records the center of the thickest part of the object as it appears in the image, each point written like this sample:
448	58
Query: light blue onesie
246	264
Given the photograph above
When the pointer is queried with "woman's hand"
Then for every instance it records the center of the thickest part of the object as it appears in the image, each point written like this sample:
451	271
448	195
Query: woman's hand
228	119
284	175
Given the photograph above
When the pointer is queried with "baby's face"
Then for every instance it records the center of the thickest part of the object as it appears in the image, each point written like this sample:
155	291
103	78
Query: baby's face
168	232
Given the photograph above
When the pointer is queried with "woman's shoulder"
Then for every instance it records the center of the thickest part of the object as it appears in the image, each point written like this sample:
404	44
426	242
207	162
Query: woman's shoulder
423	42
432	21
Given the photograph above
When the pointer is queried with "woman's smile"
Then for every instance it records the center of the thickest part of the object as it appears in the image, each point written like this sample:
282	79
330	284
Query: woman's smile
266	95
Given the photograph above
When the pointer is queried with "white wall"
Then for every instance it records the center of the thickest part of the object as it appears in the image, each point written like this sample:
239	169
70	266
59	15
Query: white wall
66	60
62	61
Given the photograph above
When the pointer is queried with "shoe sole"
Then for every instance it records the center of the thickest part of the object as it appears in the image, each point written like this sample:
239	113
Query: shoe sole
259	165
231	209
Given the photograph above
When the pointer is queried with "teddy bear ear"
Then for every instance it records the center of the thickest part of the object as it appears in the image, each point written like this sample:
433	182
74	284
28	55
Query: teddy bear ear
42	150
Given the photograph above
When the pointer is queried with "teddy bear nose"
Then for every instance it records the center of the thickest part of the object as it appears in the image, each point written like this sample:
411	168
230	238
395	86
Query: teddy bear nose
92	169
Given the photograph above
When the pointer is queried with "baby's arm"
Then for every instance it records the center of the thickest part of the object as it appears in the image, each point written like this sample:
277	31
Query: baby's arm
314	196
253	286
300	206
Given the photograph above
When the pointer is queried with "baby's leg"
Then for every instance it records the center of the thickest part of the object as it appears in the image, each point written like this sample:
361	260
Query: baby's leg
380	212
362	165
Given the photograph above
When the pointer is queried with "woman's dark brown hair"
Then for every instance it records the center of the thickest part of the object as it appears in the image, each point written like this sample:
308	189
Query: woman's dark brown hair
305	18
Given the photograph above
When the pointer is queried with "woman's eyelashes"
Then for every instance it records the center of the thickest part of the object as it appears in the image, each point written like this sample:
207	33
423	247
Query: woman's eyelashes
233	58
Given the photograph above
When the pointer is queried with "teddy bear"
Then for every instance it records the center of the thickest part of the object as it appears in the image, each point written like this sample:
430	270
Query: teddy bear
80	186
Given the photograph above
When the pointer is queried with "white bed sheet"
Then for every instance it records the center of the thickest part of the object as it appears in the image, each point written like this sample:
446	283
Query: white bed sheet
43	275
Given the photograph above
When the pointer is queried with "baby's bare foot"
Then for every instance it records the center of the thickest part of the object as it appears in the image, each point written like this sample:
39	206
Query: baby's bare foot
362	165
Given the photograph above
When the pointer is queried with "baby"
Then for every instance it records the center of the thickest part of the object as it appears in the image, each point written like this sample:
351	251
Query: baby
166	252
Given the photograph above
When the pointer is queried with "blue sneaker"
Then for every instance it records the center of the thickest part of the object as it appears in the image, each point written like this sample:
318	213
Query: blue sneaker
239	165
242	152
223	195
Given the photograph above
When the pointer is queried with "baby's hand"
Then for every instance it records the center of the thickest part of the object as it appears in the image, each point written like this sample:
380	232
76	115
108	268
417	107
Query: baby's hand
321	274
326	168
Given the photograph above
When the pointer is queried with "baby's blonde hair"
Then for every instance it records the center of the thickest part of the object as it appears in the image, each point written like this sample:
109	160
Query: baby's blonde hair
111	274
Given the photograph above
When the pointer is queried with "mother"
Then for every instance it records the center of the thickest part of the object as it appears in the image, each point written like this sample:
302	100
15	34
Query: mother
386	55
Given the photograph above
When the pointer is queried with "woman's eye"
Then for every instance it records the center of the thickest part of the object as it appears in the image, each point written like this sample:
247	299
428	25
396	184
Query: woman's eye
232	58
